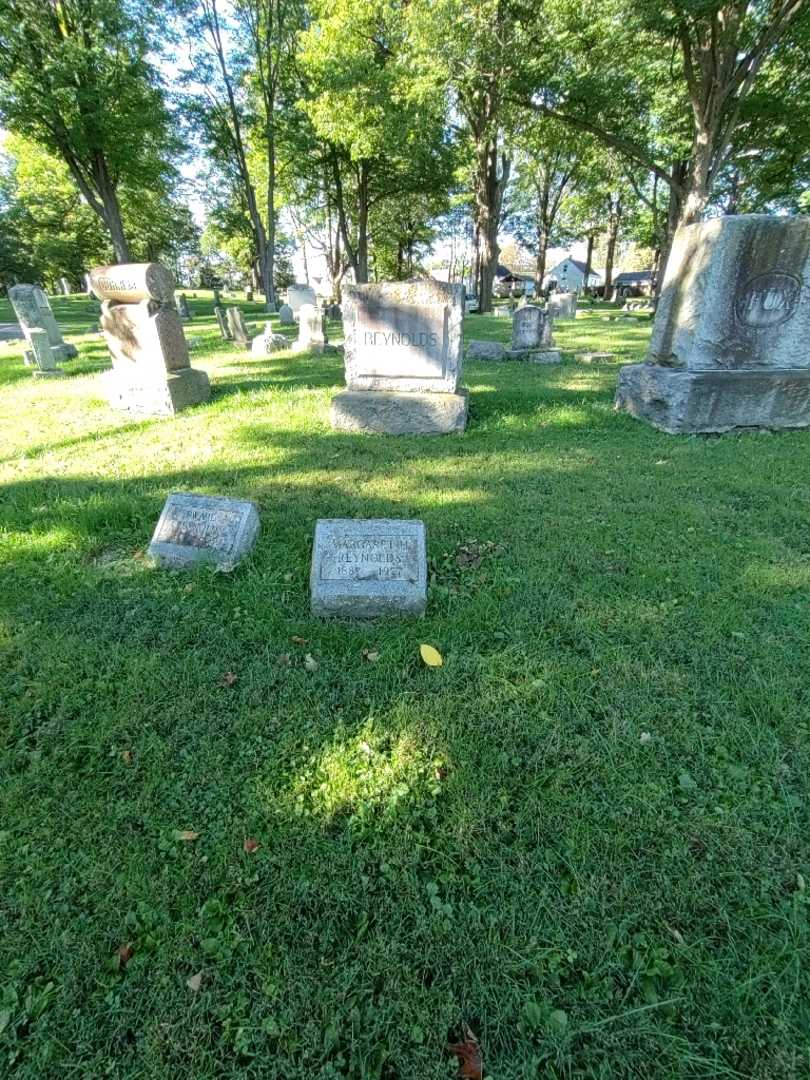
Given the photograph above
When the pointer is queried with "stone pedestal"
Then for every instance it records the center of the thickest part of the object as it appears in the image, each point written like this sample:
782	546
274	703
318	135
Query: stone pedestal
41	356
387	412
151	374
731	340
403	359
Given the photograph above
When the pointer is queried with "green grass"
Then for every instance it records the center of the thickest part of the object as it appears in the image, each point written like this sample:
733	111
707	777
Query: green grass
585	836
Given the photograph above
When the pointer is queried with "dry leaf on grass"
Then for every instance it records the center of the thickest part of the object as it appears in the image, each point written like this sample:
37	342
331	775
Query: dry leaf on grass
250	845
284	660
372	655
186	835
126	757
432	657
296	640
124	954
228	679
195	982
470	1061
310	663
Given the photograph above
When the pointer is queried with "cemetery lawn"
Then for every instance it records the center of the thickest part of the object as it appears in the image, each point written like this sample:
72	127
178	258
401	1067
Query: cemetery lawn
585	835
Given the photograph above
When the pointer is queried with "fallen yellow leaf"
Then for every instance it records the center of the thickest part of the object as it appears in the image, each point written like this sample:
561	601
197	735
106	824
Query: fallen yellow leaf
432	657
195	982
185	834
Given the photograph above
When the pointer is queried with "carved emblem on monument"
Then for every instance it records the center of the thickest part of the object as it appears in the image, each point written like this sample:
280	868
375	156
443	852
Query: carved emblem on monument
768	299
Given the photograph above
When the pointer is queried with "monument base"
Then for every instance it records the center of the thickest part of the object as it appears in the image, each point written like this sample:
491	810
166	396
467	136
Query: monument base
596	357
389	412
64	352
162	397
51	373
695	402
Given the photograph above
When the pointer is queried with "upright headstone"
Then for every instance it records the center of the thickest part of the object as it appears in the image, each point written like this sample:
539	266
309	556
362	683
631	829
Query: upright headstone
204	528
730	346
562	305
65	286
334	312
531	337
249	296
403	343
182	306
151	374
366	569
42	358
33	312
311	330
217	299
236	324
285	316
88	288
222	319
298	295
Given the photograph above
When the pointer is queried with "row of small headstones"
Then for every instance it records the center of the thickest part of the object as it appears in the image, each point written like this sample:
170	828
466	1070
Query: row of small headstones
360	568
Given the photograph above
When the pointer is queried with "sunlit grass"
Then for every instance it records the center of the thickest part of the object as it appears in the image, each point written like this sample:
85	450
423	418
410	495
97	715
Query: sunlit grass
585	835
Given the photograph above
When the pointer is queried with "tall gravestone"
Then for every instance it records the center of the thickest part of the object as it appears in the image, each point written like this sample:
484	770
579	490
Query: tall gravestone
42	358
151	373
298	295
65	286
236	325
222	322
403	344
730	346
531	337
34	312
562	305
286	316
311	330
181	304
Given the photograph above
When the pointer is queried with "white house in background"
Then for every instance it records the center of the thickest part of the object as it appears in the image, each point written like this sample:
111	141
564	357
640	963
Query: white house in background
570	275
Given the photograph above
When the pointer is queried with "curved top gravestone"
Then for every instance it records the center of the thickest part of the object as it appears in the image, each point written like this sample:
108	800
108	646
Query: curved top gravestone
133	282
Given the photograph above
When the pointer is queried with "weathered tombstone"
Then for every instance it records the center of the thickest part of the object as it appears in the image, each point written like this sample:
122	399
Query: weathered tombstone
33	312
222	320
204	528
562	305
729	347
268	342
311	330
403	350
217	299
182	306
285	316
365	569
88	288
236	324
333	312
41	356
531	337
298	295
151	374
485	350
64	286
249	296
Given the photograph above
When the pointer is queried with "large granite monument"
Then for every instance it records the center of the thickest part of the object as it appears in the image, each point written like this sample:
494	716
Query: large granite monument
365	569
731	341
403	359
562	305
33	311
151	373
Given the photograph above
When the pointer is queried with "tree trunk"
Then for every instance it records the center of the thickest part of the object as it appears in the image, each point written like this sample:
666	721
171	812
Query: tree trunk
362	224
614	220
111	210
588	261
679	170
270	259
489	188
542	253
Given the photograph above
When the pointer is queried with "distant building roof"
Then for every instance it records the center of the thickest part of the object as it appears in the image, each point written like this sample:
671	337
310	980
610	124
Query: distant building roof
581	266
633	277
